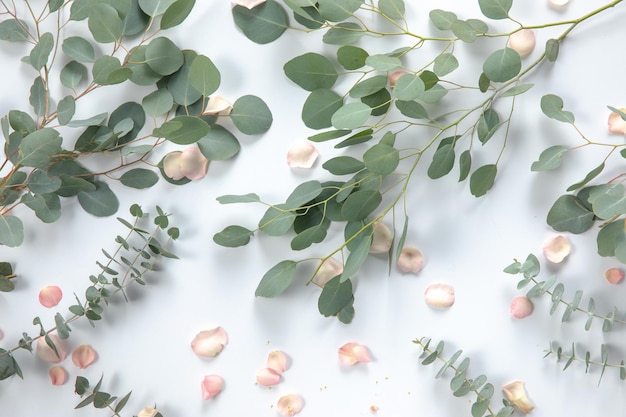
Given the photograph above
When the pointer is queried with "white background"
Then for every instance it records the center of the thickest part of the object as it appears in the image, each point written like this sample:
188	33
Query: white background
144	345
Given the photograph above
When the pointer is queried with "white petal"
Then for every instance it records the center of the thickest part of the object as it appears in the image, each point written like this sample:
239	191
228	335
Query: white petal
171	165
439	295
217	106
558	4
381	243
250	4
523	42
302	154
290	405
330	269
209	343
193	164
516	394
410	260
557	249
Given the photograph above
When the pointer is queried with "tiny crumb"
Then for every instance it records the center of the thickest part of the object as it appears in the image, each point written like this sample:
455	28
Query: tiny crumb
408	392
386	378
373	408
376	381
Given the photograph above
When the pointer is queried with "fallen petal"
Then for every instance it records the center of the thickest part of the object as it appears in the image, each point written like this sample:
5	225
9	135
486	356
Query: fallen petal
50	296
617	125
209	343
211	386
558	4
171	165
290	404
250	4
381	243
410	260
330	269
393	77
614	275
218	106
267	377
439	295
58	375
557	249
521	307
522	42
47	354
277	361
302	154
353	353
148	412
193	164
83	356
516	394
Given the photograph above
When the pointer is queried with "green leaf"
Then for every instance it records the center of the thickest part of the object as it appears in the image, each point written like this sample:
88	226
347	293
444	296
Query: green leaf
319	108
351	57
277	220
465	164
359	137
488	124
233	236
351	116
11	231
549	159
65	110
444	64
155	7
482	179
219	144
135	20
21	122
37	148
335	296
342	165
304	193
142	73
382	62
41	51
176	13
608	200
47	207
442	19
40	183
311	71
607	237
338	10
262	24
122	402
344	33
7	365
479	408
368	86
517	90
139	178
309	236
251	115
157	103
393	9
408	87
14	30
360	204
412	109
277	279
552	49
552	106
107	70
568	213
101	203
381	159
38	97
204	75
129	111
326	136
5	286
104	23
502	65
443	161
358	255
72	74
244	198
379	102
434	94
182	130
179	83
163	56
464	31
495	9
483	83
590	175
79	49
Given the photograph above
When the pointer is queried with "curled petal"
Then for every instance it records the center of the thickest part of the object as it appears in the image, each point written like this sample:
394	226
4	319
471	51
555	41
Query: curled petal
613	275
439	295
516	394
50	296
523	42
267	377
353	353
209	343
558	4
277	361
617	125
58	375
381	243
557	249
193	164
410	260
211	386
217	106
290	404
521	307
393	77
47	354
83	356
148	412
302	154
330	269
250	4
171	165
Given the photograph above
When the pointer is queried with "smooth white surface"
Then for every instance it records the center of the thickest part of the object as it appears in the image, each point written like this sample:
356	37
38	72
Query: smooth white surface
144	345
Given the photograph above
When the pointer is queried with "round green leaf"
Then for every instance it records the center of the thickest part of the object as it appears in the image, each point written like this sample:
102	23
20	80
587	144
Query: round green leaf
158	103
155	7
444	64
11	231
502	65
304	193
263	23
343	33
351	116
368	86
360	204
442	19
204	75
129	110
443	161
219	144
139	178
408	87
78	49
351	57
549	159
163	56
482	180
65	110
379	101
47	207
335	296
179	83
338	10
251	115
393	9
381	159
101	203
135	21
14	30
36	149
142	73
552	106
277	279
319	107
277	220
342	165
569	214
311	71
176	13
41	51
233	236
495	9
104	23
40	183
412	109
383	62
182	130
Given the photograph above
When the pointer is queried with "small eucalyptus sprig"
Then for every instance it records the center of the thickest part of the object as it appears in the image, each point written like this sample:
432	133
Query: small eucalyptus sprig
6	275
137	254
589	363
99	399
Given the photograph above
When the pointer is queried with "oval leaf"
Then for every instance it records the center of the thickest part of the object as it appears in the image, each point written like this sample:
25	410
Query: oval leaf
277	279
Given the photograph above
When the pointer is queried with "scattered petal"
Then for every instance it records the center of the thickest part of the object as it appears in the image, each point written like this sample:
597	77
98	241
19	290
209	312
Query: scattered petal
290	404
516	394
557	249
58	375
558	4
47	354
617	125
521	307
373	408
209	343
330	269
211	386
523	42
218	106
439	295
381	243
50	296
277	361
148	412
193	164
83	356
302	154
613	275
267	377
353	353
393	77
171	165
410	260
250	4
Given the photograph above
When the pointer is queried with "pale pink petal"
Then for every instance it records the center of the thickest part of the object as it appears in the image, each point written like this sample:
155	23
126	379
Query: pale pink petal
277	361
211	386
209	343
58	375
439	295
47	354
83	356
614	275
290	404
193	164
50	296
393	77
148	412
302	154
381	243
410	260
374	408
558	4
171	165
217	106
353	353
267	377
521	307
557	249
516	394
330	269
617	125
523	42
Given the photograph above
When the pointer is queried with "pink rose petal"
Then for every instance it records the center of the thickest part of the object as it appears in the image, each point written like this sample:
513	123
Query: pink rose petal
617	125
290	404
267	377
353	353
193	164
381	243
250	4
148	412
330	269
217	106
439	295
83	356
521	307
557	249
50	296
171	165
58	375
614	275
47	354
523	42
393	77
558	4
277	361
515	392
211	386
209	343
410	260
302	154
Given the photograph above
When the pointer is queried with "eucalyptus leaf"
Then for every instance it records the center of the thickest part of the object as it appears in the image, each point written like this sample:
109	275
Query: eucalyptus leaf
568	213
11	231
342	165
335	296
488	124
79	49
381	159
482	179
444	64
393	9
360	204
502	65
47	207
517	90
158	103
319	108
163	56
155	7
72	74
277	279
344	33
233	236
176	13
495	9
552	106
36	149
14	30
40	183
304	193
338	10
182	130
251	115
262	24
65	110
101	202
412	109
408	87
41	51
351	57
104	23
204	75
549	159
443	161
351	116
368	86
219	144
39	97
232	199
442	19
311	71
277	220
383	62
139	178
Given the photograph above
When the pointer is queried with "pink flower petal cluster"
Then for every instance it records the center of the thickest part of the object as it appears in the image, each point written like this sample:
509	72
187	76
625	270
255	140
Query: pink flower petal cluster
277	363
352	353
190	163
